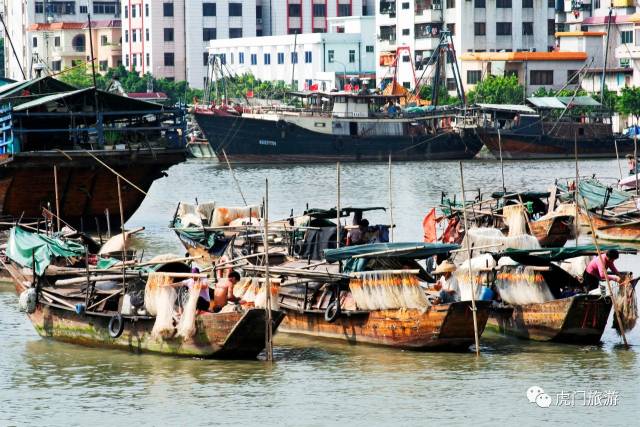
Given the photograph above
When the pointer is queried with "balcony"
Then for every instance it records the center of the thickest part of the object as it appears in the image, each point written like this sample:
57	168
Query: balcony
388	8
425	31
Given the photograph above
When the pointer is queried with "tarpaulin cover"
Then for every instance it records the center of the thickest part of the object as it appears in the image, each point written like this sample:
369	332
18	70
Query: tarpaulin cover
408	250
547	255
25	247
597	195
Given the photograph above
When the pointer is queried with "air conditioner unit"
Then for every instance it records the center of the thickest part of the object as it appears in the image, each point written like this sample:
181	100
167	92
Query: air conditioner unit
259	21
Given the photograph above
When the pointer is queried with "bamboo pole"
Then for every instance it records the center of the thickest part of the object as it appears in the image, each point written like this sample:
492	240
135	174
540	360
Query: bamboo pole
233	175
55	183
504	188
115	173
124	236
635	157
473	286
391	201
615	143
576	222
338	208
616	309
269	330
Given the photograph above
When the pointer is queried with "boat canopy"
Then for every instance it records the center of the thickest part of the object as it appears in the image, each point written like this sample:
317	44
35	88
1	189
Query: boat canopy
511	108
597	195
523	194
562	102
36	251
407	250
24	91
344	212
547	255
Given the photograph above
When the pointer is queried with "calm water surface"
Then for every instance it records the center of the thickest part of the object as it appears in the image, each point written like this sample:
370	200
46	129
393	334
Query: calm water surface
312	382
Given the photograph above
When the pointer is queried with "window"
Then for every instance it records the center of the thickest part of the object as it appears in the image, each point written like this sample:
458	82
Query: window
352	56
56	41
503	4
231	57
405	5
146	9
126	11
241	58
527	4
451	84
267	59
344	10
294	31
134	57
84	10
451	4
126	60
626	37
223	58
134	35
551	4
541	77
235	9
126	36
208	9
57	8
169	59
167	10
148	60
35	42
254	59
168	34
451	28
527	28
571	74
369	49
503	28
480	4
551	27
280	58
258	12
39	7
474	76
78	43
406	58
133	13
146	34
295	10
331	56
104	65
104	40
103	7
294	57
406	32
209	34
480	28
319	10
308	57
56	65
235	33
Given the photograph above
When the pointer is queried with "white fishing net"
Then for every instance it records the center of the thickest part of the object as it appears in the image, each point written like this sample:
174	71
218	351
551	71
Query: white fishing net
480	272
224	215
515	219
492	240
520	284
159	299
186	327
380	290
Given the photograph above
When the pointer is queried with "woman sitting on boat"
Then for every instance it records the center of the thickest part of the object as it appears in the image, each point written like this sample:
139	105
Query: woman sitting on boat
597	270
447	285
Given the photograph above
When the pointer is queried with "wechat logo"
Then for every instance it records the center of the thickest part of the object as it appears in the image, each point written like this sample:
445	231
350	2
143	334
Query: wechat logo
537	395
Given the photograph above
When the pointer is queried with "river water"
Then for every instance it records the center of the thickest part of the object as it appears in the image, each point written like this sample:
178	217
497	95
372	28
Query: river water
318	382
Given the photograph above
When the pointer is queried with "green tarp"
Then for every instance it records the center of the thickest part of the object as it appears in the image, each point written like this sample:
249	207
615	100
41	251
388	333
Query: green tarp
408	250
597	195
25	247
559	254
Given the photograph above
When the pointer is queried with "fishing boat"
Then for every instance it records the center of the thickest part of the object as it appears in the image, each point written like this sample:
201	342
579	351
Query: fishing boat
376	298
540	301
133	309
63	148
551	129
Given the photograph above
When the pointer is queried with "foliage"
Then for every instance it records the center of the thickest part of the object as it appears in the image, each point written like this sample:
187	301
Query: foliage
629	102
443	95
610	97
238	86
497	90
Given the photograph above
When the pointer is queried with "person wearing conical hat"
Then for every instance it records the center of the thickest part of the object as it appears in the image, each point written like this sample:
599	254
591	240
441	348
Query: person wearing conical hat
447	284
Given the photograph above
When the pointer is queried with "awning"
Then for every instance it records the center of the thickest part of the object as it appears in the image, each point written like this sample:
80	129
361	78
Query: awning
407	250
517	108
529	256
561	102
546	102
332	213
579	101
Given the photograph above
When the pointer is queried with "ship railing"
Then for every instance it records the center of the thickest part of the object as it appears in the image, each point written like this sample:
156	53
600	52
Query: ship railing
7	141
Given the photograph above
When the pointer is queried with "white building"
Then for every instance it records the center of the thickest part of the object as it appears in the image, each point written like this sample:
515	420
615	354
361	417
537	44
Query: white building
410	31
329	59
20	15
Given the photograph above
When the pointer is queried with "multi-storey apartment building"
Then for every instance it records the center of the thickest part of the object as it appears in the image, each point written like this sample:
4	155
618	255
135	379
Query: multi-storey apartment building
21	15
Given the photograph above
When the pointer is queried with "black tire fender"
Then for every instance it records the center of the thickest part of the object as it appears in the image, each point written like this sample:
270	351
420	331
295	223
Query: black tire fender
116	326
331	313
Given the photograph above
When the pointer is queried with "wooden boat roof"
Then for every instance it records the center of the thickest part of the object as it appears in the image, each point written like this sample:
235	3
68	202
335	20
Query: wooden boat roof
547	255
562	102
407	250
27	90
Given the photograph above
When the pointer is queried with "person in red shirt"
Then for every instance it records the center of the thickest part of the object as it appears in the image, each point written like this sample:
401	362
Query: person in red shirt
597	269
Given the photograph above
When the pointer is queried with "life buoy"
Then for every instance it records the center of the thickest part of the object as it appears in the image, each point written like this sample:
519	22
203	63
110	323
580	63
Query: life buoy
331	313
116	326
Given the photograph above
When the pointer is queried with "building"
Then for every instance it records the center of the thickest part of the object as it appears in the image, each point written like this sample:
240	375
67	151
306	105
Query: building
327	60
409	32
20	15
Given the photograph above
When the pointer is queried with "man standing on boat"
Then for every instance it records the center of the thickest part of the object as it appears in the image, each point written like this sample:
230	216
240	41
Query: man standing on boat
597	270
632	163
447	284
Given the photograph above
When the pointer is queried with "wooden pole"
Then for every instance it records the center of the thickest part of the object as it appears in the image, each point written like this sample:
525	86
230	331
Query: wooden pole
615	143
504	188
635	157
606	276
391	201
124	236
473	286
576	222
55	183
233	175
338	208
269	330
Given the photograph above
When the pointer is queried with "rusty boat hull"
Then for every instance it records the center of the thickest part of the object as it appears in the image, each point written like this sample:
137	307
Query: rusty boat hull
554	231
580	319
442	327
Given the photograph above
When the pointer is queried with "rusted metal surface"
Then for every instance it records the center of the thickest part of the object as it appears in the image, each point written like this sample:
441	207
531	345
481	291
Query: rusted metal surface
441	327
580	319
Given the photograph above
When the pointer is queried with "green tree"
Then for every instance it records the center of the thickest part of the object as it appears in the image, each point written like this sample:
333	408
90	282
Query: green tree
497	90
78	76
629	102
443	95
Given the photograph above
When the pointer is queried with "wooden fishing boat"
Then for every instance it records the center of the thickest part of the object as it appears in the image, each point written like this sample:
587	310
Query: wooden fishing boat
100	317
553	231
562	311
320	301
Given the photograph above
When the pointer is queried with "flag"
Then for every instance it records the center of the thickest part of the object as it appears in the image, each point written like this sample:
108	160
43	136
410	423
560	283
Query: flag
249	94
429	227
347	87
356	88
451	233
313	87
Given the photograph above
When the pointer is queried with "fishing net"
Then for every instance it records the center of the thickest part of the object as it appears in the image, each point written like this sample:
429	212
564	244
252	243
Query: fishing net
380	290
575	266
492	240
261	295
186	327
514	217
224	215
481	273
627	304
520	284
160	297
